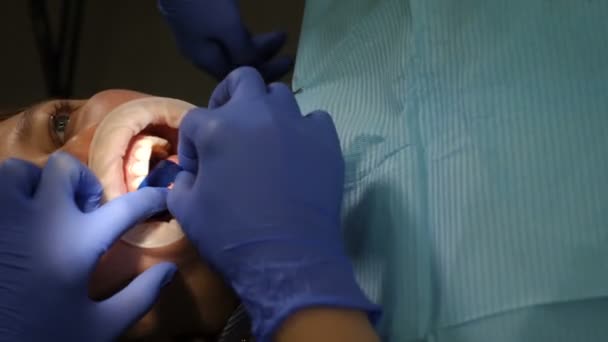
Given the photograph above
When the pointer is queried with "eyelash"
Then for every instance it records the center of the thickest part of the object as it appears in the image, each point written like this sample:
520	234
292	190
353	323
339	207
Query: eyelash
59	118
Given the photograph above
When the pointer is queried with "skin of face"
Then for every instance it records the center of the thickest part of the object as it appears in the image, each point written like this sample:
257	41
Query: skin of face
197	302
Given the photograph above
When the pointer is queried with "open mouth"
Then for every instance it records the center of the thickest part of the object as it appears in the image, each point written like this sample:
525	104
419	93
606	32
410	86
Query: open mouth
146	151
127	144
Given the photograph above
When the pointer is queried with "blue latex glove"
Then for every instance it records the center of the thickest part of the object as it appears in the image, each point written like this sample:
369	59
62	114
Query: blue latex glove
260	197
211	34
52	233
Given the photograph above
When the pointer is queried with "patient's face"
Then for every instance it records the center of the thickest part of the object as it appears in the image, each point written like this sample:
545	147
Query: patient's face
197	302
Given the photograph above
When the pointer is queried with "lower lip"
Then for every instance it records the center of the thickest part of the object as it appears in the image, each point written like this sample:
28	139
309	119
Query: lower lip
154	234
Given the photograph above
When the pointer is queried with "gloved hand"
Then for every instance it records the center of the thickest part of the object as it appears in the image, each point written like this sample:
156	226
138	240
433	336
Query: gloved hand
211	34
52	233
260	197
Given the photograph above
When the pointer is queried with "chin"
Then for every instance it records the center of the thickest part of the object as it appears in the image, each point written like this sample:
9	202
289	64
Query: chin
196	303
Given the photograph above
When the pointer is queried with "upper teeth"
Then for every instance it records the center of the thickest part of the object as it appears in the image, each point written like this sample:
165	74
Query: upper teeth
143	151
138	162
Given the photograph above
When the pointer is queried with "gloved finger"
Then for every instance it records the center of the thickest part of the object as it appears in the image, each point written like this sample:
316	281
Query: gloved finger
172	8
24	176
178	196
89	191
282	96
192	136
267	45
115	217
194	37
209	57
241	84
323	122
66	181
322	119
123	309
276	68
238	44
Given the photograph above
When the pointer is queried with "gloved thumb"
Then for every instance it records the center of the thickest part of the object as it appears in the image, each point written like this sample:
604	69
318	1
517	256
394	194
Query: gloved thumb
273	70
123	309
181	187
243	83
268	45
24	176
64	175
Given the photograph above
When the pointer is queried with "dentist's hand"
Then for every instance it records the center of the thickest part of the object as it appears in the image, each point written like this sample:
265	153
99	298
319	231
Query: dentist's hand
260	197
211	34
53	230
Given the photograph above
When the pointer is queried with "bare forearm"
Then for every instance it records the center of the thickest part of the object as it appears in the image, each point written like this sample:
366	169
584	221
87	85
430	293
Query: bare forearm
327	324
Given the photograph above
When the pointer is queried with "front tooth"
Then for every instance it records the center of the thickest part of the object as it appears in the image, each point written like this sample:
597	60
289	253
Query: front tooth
156	141
143	151
139	168
136	182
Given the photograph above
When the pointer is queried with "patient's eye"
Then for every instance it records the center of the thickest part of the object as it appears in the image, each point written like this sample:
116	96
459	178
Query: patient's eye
59	118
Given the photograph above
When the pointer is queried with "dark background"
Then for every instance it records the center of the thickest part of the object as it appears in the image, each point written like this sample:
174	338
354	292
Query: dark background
123	44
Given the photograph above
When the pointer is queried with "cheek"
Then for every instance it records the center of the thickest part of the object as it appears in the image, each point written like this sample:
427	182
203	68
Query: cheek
115	269
35	151
99	105
78	145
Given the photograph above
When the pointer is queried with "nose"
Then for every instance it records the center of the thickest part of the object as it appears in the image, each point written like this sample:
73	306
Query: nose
84	121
